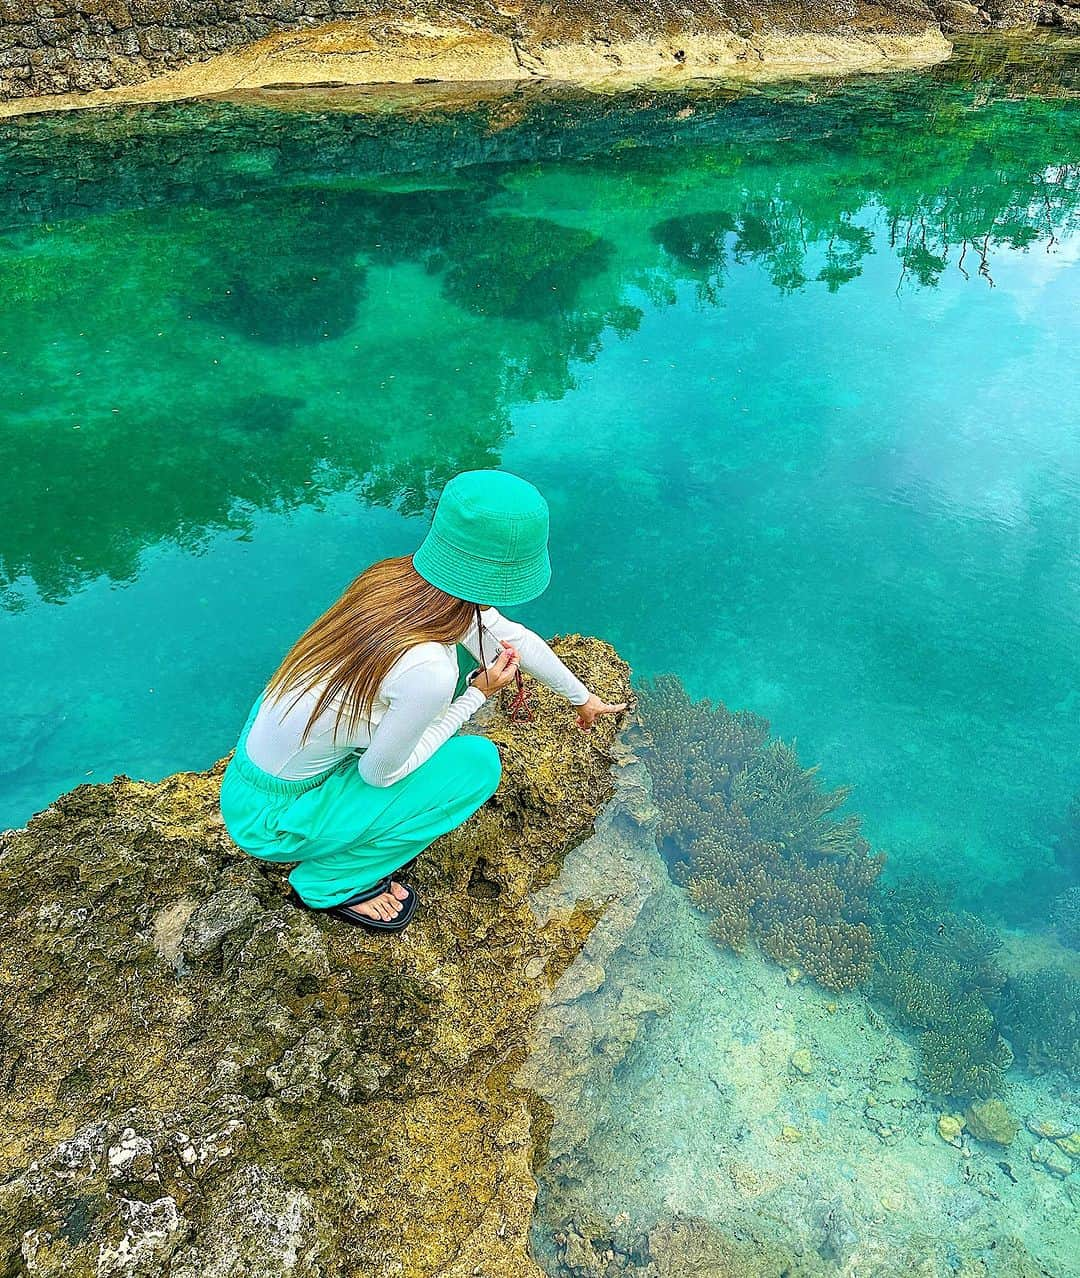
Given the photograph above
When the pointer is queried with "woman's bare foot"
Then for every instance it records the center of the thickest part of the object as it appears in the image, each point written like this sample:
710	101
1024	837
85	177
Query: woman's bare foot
385	907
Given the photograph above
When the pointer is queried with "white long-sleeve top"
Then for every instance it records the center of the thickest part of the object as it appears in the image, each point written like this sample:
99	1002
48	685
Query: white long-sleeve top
411	715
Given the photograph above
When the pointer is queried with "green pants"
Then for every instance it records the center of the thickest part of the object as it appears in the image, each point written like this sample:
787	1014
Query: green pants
346	834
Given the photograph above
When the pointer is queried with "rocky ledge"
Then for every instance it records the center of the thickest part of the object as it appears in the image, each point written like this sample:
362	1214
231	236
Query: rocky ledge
58	54
202	1081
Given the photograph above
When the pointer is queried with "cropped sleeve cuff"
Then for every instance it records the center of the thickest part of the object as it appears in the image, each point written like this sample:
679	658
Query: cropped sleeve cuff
579	695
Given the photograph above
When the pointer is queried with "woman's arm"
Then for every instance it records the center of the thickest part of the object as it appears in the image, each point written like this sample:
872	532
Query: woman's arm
417	721
418	718
536	657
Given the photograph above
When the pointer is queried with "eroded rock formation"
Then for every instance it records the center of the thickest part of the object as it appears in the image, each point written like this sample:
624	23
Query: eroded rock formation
52	48
81	52
202	1081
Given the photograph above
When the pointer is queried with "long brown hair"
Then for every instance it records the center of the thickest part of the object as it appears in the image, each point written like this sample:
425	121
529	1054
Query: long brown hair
352	646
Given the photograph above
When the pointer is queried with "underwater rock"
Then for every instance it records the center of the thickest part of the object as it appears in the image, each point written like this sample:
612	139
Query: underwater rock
802	1061
990	1122
690	1126
839	1236
950	1128
1046	1128
588	1024
577	1253
690	1246
25	735
202	1081
524	267
1051	1159
1069	1144
1067	838
686	1246
289	294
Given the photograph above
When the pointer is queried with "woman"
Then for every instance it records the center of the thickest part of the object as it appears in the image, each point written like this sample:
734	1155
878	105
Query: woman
348	763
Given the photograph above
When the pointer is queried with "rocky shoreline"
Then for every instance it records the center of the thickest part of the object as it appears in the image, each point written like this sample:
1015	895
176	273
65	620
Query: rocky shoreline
201	1080
58	56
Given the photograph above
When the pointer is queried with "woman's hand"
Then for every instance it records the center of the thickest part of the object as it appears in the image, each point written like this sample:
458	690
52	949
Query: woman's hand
587	714
501	672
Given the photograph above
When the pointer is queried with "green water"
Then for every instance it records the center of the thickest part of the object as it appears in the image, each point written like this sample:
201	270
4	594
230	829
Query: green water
796	369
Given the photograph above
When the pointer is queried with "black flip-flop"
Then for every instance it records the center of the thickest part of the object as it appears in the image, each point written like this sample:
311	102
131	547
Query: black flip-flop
408	907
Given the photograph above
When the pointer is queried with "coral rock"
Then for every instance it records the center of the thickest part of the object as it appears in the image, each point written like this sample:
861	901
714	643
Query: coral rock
185	1053
1051	1159
756	840
802	1061
1069	1144
990	1122
1046	1128
950	1127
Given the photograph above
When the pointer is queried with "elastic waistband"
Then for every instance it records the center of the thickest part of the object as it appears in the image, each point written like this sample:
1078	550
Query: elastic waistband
242	764
270	784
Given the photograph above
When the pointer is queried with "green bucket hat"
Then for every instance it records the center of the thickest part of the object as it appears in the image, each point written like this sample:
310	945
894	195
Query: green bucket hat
488	540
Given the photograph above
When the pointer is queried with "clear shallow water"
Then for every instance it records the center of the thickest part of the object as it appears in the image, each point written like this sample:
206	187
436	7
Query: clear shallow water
707	1115
796	370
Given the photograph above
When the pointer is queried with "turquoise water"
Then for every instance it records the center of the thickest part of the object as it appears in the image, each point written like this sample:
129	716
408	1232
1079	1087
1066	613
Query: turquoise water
795	368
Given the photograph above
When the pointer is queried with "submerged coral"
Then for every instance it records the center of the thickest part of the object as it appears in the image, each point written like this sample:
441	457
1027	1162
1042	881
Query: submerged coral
969	1059
936	967
756	839
760	847
1065	916
990	1122
1040	1015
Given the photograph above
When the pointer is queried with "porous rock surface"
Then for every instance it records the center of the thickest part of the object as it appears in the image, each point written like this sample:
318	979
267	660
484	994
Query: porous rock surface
52	48
79	52
201	1081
